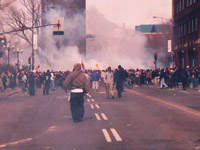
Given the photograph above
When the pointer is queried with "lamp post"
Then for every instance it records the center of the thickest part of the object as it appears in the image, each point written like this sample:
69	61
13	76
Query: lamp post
8	49
18	51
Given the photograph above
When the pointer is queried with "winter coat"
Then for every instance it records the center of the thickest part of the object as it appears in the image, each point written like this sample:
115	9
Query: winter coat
80	81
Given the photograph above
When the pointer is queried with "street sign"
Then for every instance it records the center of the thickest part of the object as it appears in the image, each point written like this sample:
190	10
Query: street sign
58	28
169	46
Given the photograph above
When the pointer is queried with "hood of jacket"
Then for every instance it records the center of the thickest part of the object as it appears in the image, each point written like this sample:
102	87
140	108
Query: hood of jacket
77	67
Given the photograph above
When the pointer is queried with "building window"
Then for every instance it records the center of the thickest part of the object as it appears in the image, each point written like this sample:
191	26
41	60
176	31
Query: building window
184	29
183	3
188	3
177	5
195	24
191	2
180	5
188	27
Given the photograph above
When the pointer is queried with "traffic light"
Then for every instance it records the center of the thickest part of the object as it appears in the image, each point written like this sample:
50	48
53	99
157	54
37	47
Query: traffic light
155	56
58	28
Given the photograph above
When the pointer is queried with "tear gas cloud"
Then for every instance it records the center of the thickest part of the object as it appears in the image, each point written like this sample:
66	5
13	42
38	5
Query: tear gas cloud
123	46
117	45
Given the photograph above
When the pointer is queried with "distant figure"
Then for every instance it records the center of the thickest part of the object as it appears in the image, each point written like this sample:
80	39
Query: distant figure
31	83
119	79
95	80
4	80
47	81
78	85
109	80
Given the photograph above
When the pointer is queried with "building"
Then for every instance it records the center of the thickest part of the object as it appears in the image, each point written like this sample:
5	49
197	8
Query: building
186	17
157	41
72	9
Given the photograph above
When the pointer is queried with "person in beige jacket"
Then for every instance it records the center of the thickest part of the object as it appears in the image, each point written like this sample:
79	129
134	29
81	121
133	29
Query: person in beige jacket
78	85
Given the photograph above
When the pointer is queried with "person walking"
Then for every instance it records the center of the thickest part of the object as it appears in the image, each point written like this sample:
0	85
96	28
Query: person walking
23	82
119	80
162	79
78	85
31	83
52	83
4	80
109	80
95	80
47	81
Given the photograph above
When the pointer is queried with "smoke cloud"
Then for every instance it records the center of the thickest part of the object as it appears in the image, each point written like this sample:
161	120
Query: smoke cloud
119	45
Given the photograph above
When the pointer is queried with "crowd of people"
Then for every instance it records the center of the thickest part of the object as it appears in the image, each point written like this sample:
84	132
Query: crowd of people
29	81
79	82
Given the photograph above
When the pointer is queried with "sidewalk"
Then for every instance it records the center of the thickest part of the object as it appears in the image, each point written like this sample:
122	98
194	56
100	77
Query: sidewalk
9	92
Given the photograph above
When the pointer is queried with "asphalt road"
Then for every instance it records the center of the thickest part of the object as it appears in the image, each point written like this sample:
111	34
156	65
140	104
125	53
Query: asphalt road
145	118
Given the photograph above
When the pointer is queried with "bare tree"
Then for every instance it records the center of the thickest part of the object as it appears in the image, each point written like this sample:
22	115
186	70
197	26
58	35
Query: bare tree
24	19
5	3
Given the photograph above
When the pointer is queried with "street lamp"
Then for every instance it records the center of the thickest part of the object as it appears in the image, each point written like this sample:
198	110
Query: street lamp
18	51
8	49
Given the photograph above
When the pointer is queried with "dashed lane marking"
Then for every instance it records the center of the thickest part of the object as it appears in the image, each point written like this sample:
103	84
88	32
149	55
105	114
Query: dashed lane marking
185	92
97	116
104	116
106	135
15	143
92	106
97	106
116	135
183	108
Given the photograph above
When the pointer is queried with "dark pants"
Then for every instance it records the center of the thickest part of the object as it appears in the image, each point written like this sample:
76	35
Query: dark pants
77	106
32	89
119	87
46	88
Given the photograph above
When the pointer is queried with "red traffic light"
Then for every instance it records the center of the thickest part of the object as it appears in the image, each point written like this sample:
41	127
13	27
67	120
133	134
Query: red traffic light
155	56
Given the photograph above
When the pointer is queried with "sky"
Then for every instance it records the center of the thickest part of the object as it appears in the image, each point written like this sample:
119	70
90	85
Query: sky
133	12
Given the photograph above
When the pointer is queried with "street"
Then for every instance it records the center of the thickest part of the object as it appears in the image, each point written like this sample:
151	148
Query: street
145	118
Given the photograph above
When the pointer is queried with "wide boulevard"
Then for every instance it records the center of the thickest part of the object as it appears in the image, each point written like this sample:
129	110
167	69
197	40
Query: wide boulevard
145	118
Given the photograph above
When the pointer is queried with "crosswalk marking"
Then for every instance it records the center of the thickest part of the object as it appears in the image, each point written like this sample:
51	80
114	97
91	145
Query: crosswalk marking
97	106
92	106
88	100
116	135
104	116
107	136
97	116
92	100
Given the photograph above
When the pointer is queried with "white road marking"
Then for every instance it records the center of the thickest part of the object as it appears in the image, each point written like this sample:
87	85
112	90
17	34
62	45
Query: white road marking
184	92
116	135
107	136
163	101
92	106
88	100
197	148
92	100
89	95
15	143
97	106
97	116
104	116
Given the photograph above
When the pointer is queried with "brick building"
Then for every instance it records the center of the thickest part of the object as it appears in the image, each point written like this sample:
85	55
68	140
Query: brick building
186	17
73	9
157	36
